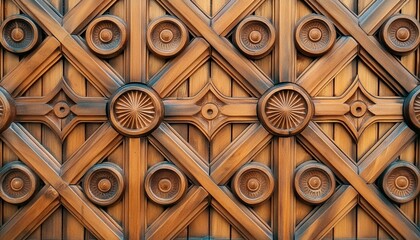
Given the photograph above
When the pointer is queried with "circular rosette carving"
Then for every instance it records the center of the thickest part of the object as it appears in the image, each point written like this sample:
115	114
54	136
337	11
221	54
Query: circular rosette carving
401	34
165	184
314	35
103	184
253	183
135	110
400	182
254	36
412	109
17	182
19	34
7	109
167	36
106	36
285	109
314	182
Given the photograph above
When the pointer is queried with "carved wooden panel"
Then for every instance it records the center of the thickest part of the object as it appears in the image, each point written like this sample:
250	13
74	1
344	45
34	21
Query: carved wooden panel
221	119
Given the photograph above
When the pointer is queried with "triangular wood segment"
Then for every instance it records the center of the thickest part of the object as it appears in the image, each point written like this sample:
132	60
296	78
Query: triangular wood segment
209	119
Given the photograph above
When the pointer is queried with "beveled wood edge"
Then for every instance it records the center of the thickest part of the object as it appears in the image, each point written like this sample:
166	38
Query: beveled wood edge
32	215
323	220
176	218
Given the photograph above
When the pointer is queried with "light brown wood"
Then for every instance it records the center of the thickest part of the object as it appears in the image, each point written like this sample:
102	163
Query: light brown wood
220	119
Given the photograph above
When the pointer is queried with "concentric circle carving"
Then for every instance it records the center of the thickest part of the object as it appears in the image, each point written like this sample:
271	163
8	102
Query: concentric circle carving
103	184
17	182
253	183
106	35
314	35
358	109
19	34
401	34
314	182
7	109
285	109
209	111
135	110
61	109
400	181
167	36
165	184
412	109
254	36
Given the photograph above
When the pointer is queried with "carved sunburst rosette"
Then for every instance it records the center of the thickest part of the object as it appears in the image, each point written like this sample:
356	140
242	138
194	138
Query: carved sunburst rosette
401	34
103	184
285	109
135	110
19	34
255	36
106	35
412	109
314	35
253	183
314	182
401	182
7	109
167	36
165	184
17	182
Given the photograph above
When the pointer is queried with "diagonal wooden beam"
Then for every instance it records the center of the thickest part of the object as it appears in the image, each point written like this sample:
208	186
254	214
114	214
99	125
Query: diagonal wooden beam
240	151
316	77
98	146
313	138
178	217
32	67
101	75
323	220
385	151
401	79
189	161
33	214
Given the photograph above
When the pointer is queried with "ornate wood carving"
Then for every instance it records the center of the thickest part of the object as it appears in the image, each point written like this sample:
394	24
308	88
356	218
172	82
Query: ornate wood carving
314	182
19	34
17	182
254	36
135	110
412	109
165	184
253	183
400	181
106	36
315	35
285	109
167	36
401	34
103	184
7	109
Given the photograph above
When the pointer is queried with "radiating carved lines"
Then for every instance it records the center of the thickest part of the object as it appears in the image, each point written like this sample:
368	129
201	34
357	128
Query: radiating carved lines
384	63
180	152
96	71
313	138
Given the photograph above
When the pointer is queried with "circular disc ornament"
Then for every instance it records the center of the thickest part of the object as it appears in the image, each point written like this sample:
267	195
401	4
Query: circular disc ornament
285	109
165	184
401	34
253	183
314	35
106	35
400	182
167	36
7	109
314	182
17	182
104	183
19	34
412	109
135	110
255	36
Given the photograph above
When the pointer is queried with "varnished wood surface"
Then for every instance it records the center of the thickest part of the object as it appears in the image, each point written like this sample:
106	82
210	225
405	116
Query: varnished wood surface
221	119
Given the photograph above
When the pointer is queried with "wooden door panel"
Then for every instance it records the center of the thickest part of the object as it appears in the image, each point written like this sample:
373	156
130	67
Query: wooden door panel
179	119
